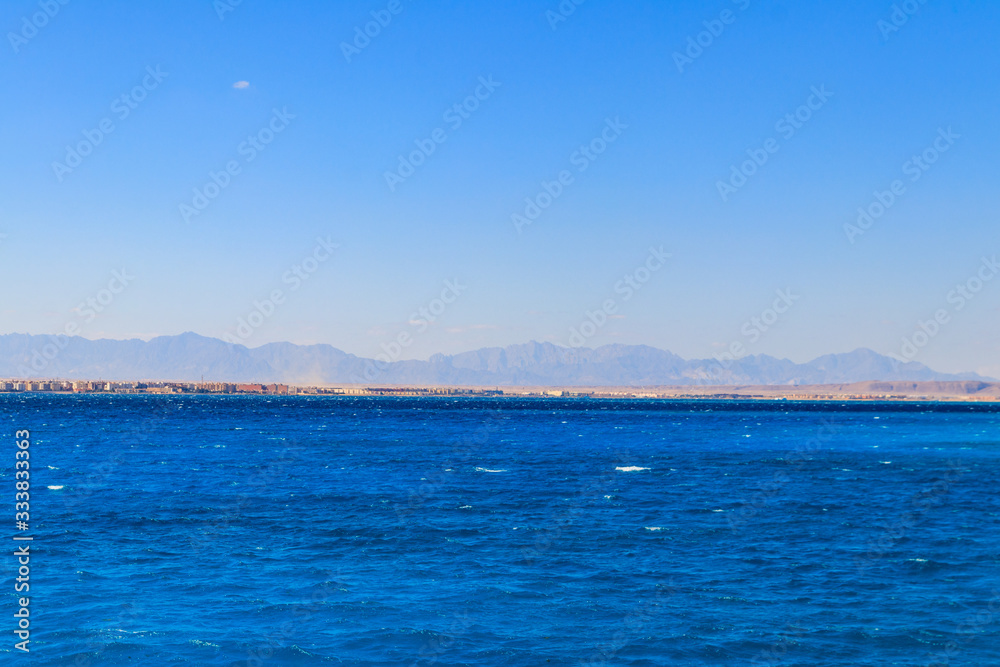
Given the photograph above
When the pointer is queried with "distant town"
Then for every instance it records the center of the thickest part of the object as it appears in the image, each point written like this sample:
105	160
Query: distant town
158	387
870	391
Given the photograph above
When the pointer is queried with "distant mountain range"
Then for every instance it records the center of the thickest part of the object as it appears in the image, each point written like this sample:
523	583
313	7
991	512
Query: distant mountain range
190	357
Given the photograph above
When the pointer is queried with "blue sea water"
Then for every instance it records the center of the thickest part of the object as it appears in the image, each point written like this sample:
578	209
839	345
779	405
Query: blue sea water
386	531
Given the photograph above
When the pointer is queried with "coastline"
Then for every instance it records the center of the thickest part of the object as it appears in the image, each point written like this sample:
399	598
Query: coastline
888	391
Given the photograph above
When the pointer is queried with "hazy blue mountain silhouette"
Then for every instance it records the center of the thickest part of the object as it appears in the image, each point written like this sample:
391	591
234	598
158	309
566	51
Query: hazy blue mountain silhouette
189	357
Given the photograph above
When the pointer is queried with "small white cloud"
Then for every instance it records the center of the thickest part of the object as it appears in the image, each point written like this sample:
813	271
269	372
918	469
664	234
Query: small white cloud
239	85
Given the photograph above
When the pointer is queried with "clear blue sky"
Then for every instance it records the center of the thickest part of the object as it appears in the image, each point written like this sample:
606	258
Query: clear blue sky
656	184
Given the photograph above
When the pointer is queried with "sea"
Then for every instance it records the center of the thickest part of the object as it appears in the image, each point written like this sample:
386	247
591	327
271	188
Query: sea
269	530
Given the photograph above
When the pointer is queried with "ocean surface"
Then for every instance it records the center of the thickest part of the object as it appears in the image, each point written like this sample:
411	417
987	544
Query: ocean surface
394	531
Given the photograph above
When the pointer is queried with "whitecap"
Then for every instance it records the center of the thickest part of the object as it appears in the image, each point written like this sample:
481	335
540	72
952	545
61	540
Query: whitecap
488	470
653	528
56	488
465	507
630	468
